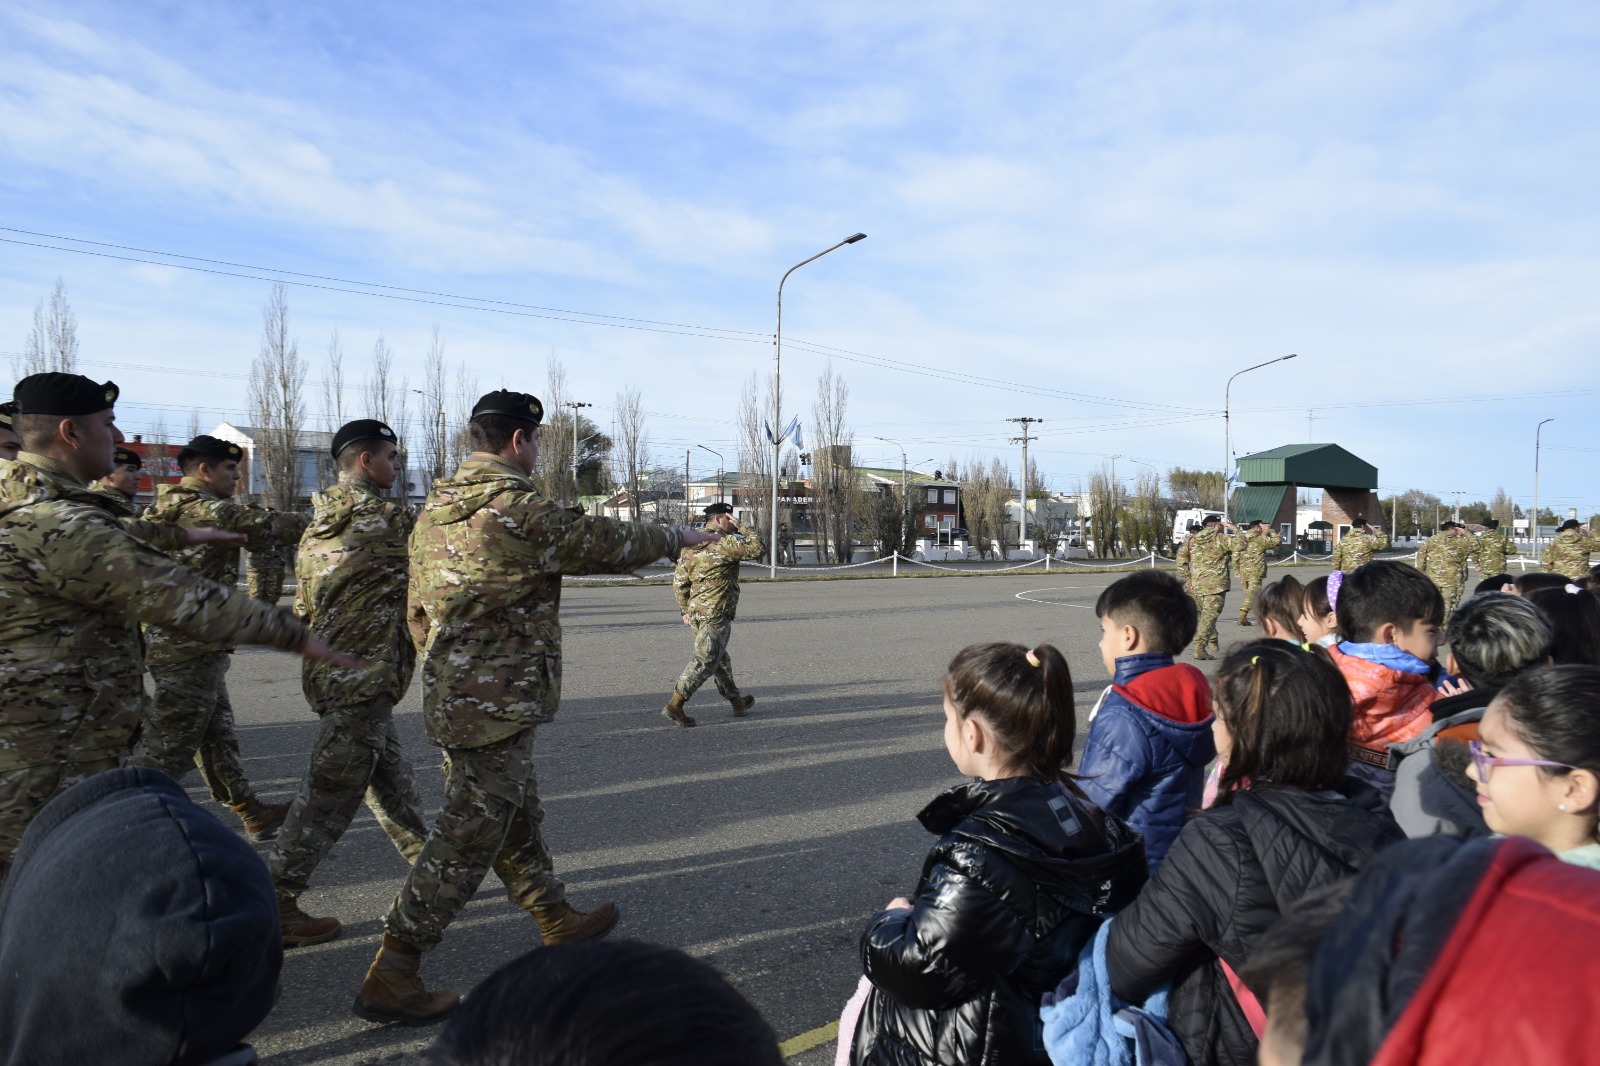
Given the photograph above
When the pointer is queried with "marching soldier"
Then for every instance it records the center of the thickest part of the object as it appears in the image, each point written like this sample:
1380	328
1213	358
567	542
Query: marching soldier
190	721
1444	557
75	583
1357	547
1492	550
264	569
1250	562
1203	562
706	582
1569	551
121	485
487	556
352	591
10	443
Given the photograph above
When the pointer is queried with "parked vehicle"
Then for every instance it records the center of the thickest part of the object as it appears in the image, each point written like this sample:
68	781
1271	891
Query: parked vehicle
1188	521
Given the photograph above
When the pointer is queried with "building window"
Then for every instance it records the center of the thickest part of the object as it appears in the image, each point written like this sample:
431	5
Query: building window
933	495
931	521
949	495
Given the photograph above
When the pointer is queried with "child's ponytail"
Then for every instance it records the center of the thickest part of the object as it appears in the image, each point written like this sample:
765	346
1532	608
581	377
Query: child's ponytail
1025	697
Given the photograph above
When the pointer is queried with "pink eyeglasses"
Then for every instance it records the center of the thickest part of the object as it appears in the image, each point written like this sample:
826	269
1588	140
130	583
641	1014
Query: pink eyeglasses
1486	762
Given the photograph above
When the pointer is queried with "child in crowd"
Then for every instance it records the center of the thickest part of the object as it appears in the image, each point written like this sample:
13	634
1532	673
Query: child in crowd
1497	583
1318	623
1024	872
1537	766
1279	606
1389	618
1288	820
1575	617
1493	638
1537	580
1150	735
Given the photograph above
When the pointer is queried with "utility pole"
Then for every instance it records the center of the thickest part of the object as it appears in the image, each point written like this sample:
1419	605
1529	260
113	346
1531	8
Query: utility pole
1456	516
686	486
1311	421
1534	528
1111	526
575	406
1023	440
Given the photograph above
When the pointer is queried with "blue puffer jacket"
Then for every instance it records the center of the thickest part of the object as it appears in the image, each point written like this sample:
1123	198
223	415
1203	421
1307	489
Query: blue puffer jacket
1148	747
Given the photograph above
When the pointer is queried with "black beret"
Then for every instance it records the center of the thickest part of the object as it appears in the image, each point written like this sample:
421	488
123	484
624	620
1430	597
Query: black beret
63	394
208	447
128	457
1211	520
523	405
7	409
1571	523
1449	525
718	508
1491	523
361	429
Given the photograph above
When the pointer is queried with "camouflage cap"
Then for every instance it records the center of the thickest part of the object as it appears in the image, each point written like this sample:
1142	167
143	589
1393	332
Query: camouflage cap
523	405
7	409
359	430
718	508
128	457
209	447
63	394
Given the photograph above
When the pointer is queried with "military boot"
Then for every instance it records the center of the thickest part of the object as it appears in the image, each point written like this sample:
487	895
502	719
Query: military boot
741	704
562	923
261	820
674	711
393	992
1201	654
1244	617
299	928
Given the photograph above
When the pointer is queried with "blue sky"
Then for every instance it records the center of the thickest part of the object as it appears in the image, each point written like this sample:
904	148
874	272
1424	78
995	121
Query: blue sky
1123	201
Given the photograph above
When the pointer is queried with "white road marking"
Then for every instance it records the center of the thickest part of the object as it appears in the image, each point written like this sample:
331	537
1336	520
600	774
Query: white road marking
1027	595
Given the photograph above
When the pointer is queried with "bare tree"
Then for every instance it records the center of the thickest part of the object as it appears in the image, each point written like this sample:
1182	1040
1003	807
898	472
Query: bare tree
435	437
277	405
834	479
754	485
553	472
977	498
1501	508
1197	488
632	442
160	462
194	423
386	397
1105	503
333	410
466	394
53	341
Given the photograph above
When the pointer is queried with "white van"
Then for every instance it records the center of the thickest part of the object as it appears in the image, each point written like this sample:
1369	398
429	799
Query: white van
1188	521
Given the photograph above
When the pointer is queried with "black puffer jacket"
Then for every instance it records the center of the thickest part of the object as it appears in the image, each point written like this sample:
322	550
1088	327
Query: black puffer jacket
1233	869
1022	876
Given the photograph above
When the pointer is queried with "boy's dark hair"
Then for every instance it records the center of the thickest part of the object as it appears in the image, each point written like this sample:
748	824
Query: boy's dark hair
1279	970
1539	579
1153	602
606	1004
1553	711
1495	636
1384	591
1281	601
1288	711
1497	583
1314	597
1575	621
491	433
1029	707
350	454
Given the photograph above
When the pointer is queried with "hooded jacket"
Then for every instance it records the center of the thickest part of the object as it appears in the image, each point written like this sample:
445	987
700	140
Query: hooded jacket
135	929
1432	792
1148	746
1023	874
1391	704
1231	872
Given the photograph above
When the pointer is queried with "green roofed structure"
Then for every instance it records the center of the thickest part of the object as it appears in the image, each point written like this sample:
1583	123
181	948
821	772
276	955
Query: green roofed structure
1271	483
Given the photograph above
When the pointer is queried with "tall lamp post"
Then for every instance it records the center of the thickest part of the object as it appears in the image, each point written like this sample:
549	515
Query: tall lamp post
1227	429
1537	549
718	454
575	406
777	394
905	501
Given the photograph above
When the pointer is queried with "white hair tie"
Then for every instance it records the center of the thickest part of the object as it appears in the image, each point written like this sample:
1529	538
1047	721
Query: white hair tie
1573	588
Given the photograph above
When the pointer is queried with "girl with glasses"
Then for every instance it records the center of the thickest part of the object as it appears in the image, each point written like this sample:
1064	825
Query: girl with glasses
1537	764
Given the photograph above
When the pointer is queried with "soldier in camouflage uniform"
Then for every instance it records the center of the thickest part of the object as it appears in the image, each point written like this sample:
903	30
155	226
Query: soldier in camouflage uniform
1203	562
1444	558
706	583
1492	550
1569	551
190	721
265	569
352	590
1250	562
1357	547
122	483
75	582
487	556
10	443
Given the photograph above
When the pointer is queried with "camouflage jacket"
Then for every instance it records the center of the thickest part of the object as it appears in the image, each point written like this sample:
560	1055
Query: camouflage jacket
352	590
706	580
1568	552
75	582
1203	561
120	503
192	503
487	556
1492	551
1356	549
1250	558
1444	557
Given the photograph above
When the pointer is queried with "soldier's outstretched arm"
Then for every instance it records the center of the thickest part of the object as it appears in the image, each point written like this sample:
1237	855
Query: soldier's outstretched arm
169	538
590	544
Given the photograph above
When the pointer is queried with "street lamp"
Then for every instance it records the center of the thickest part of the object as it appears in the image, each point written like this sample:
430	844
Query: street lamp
1536	431
718	454
905	501
575	406
777	394
1227	438
438	454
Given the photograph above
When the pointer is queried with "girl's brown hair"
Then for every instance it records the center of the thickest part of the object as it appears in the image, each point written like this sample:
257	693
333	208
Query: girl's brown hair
1024	695
1288	710
1281	602
1314	598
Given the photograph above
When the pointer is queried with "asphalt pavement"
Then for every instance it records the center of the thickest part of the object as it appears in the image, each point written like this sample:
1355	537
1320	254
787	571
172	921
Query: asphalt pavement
762	844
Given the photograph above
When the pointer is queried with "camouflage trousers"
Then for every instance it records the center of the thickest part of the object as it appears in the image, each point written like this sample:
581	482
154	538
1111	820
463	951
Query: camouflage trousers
190	722
25	790
711	636
491	817
1252	586
1452	597
1210	604
357	754
265	574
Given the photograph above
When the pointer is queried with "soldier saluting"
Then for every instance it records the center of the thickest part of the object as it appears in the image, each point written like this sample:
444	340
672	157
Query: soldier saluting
75	582
1203	562
487	556
1357	547
1250	560
706	583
